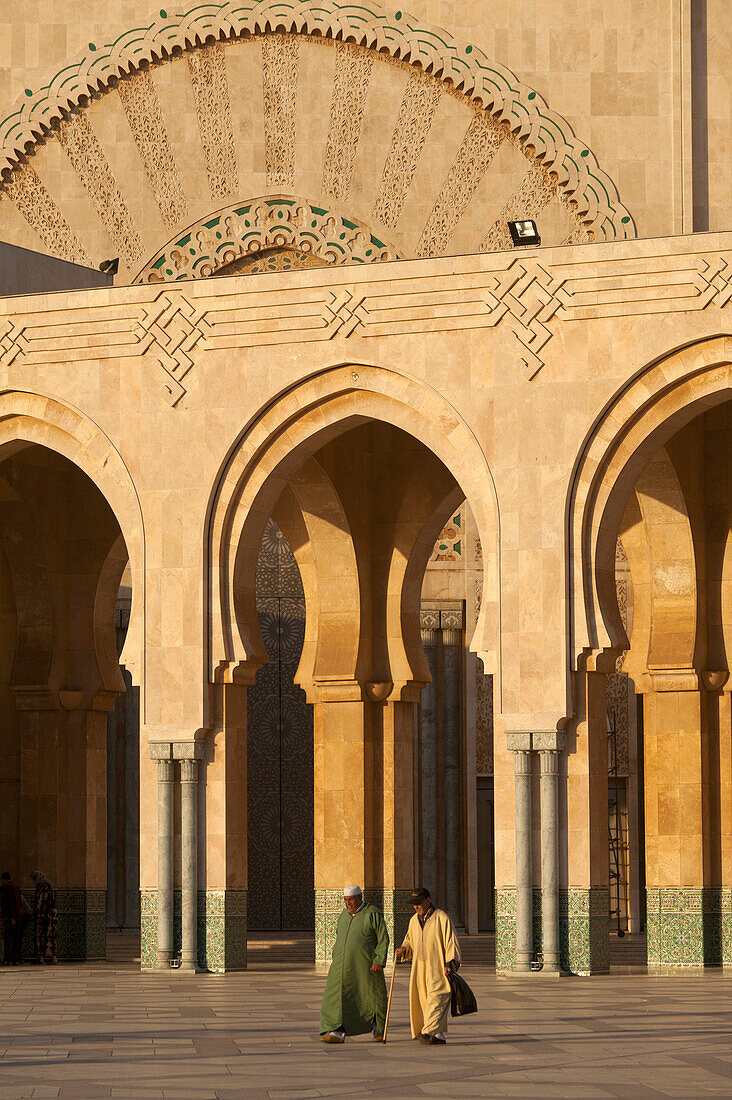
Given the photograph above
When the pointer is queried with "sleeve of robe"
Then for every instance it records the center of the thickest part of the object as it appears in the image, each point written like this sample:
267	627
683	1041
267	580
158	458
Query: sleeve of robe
382	939
452	947
407	943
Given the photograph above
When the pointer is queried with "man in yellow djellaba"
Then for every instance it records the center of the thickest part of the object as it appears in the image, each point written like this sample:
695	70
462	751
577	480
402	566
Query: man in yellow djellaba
433	947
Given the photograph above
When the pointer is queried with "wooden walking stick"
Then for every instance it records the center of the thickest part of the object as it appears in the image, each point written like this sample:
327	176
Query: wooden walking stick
388	1003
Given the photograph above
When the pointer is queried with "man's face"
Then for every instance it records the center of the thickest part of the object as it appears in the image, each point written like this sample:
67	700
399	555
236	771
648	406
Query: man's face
353	904
422	907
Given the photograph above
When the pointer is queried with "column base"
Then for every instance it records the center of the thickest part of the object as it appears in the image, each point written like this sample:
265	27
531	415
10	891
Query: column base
689	927
222	930
584	931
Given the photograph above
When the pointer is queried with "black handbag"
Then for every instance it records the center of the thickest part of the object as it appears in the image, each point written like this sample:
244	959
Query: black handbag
462	1000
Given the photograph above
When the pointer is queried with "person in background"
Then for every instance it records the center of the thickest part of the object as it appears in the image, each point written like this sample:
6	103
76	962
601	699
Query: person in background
11	911
45	915
432	946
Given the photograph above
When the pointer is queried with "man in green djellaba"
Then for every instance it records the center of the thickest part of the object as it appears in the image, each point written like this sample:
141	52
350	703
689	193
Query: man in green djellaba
354	1001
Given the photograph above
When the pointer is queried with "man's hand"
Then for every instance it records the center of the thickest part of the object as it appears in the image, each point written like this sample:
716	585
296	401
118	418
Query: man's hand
448	971
376	966
398	954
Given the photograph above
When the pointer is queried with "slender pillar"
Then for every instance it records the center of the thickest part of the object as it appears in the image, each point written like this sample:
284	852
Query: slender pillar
549	761
189	863
524	906
451	640
165	862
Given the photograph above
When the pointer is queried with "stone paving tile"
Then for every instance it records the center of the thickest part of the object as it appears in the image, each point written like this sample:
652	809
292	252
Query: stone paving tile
106	1032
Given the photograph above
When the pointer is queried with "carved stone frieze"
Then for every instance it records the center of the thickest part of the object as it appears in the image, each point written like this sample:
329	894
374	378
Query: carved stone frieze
26	191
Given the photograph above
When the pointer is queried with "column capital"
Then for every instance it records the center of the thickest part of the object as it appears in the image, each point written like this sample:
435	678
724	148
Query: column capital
536	740
188	770
188	750
165	771
160	750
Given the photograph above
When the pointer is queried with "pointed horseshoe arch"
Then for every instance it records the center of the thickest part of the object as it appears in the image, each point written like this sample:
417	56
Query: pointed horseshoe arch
277	443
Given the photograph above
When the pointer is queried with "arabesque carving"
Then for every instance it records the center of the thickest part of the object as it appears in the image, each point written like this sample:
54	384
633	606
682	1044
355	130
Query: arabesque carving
145	116
31	198
479	146
280	55
350	87
419	103
82	147
207	70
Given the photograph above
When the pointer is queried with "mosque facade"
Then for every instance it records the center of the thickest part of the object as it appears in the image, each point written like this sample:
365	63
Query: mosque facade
342	540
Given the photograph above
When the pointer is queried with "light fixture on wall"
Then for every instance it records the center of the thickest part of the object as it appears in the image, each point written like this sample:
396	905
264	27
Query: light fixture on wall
524	233
109	267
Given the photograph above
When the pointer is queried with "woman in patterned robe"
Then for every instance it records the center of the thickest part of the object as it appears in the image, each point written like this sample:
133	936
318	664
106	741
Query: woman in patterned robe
44	913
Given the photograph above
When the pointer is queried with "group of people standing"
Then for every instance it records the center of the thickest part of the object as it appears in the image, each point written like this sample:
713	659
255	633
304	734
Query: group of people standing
16	914
355	1000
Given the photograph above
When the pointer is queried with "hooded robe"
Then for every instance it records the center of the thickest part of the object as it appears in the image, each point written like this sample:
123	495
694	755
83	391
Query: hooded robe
430	948
355	995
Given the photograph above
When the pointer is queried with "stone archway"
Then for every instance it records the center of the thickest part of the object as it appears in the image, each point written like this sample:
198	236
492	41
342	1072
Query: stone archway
363	501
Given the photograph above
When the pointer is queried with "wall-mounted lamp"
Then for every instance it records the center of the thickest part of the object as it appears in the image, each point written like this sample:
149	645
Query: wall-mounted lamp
524	233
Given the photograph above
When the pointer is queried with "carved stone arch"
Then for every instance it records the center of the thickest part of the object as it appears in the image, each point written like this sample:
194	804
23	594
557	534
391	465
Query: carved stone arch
105	602
660	547
502	108
277	225
277	443
313	520
27	417
31	590
655	405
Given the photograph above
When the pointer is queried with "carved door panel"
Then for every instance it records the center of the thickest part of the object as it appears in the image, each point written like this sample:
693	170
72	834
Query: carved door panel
280	753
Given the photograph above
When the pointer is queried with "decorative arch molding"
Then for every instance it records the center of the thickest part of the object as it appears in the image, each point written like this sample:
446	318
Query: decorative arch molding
278	442
32	418
544	134
250	228
639	420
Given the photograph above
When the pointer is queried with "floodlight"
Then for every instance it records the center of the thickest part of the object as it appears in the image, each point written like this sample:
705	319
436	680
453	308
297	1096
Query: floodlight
524	233
109	267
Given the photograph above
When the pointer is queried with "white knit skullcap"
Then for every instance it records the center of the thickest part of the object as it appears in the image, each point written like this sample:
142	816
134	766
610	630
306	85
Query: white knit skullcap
352	891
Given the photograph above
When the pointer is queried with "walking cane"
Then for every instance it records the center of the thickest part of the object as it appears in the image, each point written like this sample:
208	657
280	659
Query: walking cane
388	1003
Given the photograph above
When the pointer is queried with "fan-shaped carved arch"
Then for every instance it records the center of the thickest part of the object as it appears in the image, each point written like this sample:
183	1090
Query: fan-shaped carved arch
499	109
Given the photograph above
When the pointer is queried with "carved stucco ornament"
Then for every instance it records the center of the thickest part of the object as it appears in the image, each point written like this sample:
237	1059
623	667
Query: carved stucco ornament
258	225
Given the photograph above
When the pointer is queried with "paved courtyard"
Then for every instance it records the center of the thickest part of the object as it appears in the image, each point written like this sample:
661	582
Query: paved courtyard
109	1031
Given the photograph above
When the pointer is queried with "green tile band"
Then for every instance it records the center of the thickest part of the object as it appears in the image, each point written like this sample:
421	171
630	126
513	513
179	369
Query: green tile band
394	904
82	924
584	929
689	926
222	929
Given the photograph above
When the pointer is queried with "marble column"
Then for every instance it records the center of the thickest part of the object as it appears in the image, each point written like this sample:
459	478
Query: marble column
549	765
524	886
189	863
451	640
428	769
165	862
